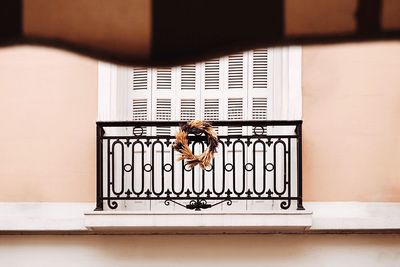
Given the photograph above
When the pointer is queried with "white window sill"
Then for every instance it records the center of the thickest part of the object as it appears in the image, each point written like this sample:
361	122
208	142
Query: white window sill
198	221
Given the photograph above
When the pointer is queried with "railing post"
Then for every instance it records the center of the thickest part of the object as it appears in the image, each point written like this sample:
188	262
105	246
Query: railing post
99	167
299	167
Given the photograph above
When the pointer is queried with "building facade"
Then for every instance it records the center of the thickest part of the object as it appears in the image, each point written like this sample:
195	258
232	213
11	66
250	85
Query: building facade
51	100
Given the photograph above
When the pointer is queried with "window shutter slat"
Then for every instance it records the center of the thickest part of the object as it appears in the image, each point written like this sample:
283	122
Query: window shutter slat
235	71
163	113
140	79
259	111
139	113
164	77
211	74
188	109
188	77
211	110
260	69
235	112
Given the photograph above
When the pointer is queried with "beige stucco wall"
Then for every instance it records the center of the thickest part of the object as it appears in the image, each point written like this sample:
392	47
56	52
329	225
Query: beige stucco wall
206	250
351	109
351	112
48	109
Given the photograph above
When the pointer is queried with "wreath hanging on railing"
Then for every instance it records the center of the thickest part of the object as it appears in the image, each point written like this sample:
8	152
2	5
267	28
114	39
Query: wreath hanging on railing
181	143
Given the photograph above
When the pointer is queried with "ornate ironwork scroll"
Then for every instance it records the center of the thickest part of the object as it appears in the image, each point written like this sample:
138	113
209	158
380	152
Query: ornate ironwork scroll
263	165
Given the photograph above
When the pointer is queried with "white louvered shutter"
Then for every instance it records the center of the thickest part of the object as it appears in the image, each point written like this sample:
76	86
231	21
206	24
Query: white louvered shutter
163	100
188	108
235	108
211	104
188	77
259	108
163	79
260	87
211	112
236	71
163	103
188	92
139	106
140	79
163	113
212	91
235	87
260	68
235	112
259	95
236	79
139	96
211	109
139	99
212	74
140	113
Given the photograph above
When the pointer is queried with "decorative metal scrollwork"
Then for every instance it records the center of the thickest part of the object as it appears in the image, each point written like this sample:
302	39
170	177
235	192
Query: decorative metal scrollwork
142	167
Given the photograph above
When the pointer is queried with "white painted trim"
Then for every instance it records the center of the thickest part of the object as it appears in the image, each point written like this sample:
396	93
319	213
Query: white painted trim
295	96
106	91
112	89
326	216
286	79
354	215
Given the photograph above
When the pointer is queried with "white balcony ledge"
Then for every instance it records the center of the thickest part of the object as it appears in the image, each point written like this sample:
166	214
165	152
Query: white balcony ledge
71	217
243	222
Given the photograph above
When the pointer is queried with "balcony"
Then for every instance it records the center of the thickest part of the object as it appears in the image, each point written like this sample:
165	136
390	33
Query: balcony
137	167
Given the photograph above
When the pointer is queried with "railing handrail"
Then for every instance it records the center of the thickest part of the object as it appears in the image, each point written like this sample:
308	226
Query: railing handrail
214	123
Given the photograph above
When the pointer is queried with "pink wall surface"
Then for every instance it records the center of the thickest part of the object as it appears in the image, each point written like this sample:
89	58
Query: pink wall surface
351	113
48	109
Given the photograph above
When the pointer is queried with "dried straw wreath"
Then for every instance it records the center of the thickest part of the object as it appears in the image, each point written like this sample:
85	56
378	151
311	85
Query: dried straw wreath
181	143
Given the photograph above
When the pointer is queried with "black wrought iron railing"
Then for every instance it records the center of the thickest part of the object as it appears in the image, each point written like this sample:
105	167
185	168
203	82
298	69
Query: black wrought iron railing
135	163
